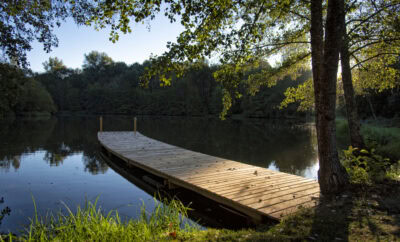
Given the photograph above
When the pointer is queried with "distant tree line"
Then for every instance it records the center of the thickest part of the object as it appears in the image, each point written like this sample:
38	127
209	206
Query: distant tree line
103	86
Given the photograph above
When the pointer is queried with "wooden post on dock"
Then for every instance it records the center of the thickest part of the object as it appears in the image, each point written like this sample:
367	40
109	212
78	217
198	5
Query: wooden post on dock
101	123
134	124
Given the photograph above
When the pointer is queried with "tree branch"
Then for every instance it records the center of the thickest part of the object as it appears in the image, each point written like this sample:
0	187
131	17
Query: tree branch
372	43
372	57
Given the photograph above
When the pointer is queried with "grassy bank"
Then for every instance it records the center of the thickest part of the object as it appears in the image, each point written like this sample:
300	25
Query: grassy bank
383	138
352	216
366	212
92	224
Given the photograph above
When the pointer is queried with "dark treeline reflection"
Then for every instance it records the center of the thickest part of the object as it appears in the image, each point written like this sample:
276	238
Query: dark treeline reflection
57	137
283	145
286	146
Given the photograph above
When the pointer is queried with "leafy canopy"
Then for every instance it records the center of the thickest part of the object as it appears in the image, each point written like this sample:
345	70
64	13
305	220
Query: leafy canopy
25	21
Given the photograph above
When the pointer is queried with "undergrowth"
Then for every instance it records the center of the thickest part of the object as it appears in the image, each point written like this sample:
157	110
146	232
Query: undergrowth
384	140
368	168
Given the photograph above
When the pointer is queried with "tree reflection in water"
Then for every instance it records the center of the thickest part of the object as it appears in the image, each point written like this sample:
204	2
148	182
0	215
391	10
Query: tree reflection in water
290	147
287	146
58	137
3	211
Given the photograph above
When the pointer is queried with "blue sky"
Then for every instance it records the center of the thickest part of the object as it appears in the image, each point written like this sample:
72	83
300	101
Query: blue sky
75	41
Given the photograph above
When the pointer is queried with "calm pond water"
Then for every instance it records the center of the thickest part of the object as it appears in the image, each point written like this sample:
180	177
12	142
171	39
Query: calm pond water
57	161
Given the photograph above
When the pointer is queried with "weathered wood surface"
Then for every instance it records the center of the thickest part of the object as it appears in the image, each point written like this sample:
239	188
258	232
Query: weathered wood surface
252	190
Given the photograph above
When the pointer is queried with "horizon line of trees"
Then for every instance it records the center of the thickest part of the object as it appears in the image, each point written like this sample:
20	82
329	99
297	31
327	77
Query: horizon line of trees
104	86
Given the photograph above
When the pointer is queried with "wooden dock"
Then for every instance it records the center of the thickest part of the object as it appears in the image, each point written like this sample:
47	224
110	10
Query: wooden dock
254	191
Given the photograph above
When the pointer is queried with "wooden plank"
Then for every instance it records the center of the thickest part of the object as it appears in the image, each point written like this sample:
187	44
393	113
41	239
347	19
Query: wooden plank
200	175
252	190
267	185
273	208
250	193
237	184
259	191
211	167
222	177
265	200
242	179
288	210
187	169
186	163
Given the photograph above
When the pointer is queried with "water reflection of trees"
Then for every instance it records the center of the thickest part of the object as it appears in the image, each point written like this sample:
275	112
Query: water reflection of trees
3	211
257	142
59	138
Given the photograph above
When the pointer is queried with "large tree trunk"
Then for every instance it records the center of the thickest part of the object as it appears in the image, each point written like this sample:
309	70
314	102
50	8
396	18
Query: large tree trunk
356	139
332	176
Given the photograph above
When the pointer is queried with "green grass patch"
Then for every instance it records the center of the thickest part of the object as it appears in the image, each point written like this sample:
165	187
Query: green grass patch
90	223
357	215
385	140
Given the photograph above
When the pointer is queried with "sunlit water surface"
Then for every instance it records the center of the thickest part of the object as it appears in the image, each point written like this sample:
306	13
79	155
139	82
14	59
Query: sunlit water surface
56	161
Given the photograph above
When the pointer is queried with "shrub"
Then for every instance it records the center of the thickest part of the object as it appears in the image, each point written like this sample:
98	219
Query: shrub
366	167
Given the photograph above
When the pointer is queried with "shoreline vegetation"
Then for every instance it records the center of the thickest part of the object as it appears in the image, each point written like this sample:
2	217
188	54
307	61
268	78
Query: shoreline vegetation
381	135
368	210
370	213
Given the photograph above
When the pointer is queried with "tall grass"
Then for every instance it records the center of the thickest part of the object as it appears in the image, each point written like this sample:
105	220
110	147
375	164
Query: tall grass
90	223
385	140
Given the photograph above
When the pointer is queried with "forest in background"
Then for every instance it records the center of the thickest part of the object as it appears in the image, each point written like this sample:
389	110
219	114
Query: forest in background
103	86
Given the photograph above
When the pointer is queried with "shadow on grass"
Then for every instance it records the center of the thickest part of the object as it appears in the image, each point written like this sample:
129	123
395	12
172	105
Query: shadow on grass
332	218
362	213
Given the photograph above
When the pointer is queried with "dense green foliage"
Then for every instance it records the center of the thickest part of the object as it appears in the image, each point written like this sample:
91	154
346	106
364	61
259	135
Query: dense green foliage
22	94
380	104
367	167
108	87
105	86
